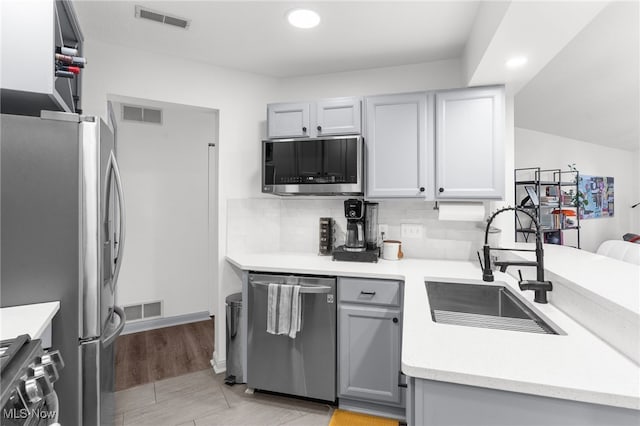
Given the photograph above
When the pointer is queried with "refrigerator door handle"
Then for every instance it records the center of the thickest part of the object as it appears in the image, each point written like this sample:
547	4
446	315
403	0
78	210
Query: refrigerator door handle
122	221
109	340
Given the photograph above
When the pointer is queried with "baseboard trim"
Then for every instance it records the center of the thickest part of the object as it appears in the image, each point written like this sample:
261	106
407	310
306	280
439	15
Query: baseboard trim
373	409
151	324
219	365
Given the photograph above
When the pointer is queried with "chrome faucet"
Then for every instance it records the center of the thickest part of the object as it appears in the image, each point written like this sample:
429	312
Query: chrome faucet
539	285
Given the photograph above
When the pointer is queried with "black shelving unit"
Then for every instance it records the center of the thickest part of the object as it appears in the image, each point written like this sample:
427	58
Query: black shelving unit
557	208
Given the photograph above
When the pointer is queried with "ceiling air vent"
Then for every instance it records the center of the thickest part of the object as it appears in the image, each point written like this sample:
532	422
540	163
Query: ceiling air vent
154	15
141	114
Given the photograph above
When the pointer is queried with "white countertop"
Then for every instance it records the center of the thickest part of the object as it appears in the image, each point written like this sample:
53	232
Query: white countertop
610	279
27	319
601	293
576	366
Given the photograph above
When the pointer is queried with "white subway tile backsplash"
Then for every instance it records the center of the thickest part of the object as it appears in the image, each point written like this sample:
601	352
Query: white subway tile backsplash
291	224
253	225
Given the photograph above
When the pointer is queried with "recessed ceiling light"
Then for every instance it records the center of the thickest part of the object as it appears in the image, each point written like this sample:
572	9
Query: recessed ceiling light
516	61
303	18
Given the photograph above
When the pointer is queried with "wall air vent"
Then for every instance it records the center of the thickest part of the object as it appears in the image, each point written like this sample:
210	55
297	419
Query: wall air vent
141	114
143	311
163	18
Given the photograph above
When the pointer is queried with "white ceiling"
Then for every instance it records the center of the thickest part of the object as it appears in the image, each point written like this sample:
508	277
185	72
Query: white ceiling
590	91
255	36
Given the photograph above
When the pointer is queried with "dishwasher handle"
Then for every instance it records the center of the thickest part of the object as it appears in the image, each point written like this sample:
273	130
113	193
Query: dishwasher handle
304	289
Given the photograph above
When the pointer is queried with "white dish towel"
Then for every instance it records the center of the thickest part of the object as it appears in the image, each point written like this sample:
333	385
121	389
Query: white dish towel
284	310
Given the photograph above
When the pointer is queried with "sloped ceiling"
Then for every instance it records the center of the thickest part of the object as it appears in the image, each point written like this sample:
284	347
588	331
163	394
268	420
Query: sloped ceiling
590	91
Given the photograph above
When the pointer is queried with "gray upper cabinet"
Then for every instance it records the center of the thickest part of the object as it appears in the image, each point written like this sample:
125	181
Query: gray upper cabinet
30	33
399	146
339	116
470	143
288	120
326	117
446	145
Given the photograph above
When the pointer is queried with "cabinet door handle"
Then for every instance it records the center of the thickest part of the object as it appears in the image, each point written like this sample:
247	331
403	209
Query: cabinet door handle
422	189
304	130
368	293
319	128
441	190
395	320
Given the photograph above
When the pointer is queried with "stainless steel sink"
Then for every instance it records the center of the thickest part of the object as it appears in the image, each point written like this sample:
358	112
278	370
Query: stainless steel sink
485	306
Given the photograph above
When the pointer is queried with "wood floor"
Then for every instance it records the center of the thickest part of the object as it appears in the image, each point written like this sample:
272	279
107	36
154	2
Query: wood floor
162	353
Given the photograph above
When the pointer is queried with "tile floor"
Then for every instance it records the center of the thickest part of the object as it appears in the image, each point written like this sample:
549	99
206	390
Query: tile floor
202	399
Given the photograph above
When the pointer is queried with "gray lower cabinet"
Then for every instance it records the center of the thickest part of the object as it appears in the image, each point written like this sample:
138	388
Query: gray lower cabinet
440	403
369	346
370	355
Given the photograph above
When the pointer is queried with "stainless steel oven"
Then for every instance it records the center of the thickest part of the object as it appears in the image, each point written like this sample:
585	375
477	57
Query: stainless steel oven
319	166
27	396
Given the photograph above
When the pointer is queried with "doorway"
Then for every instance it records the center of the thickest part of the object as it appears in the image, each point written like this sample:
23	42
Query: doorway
168	164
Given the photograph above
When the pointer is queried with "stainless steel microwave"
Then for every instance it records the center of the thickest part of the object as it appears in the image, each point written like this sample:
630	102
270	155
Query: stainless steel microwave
313	166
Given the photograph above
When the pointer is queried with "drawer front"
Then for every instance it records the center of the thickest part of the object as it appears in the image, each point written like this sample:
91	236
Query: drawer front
369	291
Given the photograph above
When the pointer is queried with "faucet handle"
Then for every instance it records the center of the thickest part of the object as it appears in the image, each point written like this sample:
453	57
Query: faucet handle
520	274
480	259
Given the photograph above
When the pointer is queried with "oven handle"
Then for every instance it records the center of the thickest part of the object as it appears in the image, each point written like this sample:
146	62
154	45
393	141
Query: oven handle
53	406
304	289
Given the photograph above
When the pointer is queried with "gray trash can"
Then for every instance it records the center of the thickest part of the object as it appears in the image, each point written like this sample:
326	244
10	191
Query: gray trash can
235	334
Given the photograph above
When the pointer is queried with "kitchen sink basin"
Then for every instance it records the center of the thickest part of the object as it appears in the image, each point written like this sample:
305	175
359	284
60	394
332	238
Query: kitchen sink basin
484	306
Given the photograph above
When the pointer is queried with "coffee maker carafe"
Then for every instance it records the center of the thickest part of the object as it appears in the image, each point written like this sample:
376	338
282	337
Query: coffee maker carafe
354	212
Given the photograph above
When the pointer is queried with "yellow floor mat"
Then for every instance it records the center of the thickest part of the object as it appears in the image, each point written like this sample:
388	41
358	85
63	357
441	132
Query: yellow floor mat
348	418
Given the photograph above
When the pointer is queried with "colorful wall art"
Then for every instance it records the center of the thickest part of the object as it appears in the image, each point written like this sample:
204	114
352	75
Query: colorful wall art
598	193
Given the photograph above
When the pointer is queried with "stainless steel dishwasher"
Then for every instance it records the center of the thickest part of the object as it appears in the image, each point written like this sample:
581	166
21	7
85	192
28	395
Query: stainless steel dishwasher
304	366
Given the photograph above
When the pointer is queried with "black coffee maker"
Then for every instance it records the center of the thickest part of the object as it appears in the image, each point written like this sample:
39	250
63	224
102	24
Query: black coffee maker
356	248
354	239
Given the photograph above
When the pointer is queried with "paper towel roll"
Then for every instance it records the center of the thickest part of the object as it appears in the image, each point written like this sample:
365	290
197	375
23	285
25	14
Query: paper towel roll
470	212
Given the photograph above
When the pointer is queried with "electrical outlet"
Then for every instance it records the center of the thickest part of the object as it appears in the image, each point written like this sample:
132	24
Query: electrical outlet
383	227
411	230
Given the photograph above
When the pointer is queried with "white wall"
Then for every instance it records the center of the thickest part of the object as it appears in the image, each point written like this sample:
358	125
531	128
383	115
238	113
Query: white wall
407	78
537	149
164	173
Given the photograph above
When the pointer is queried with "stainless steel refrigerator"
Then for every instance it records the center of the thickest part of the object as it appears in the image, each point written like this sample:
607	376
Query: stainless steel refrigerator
62	231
